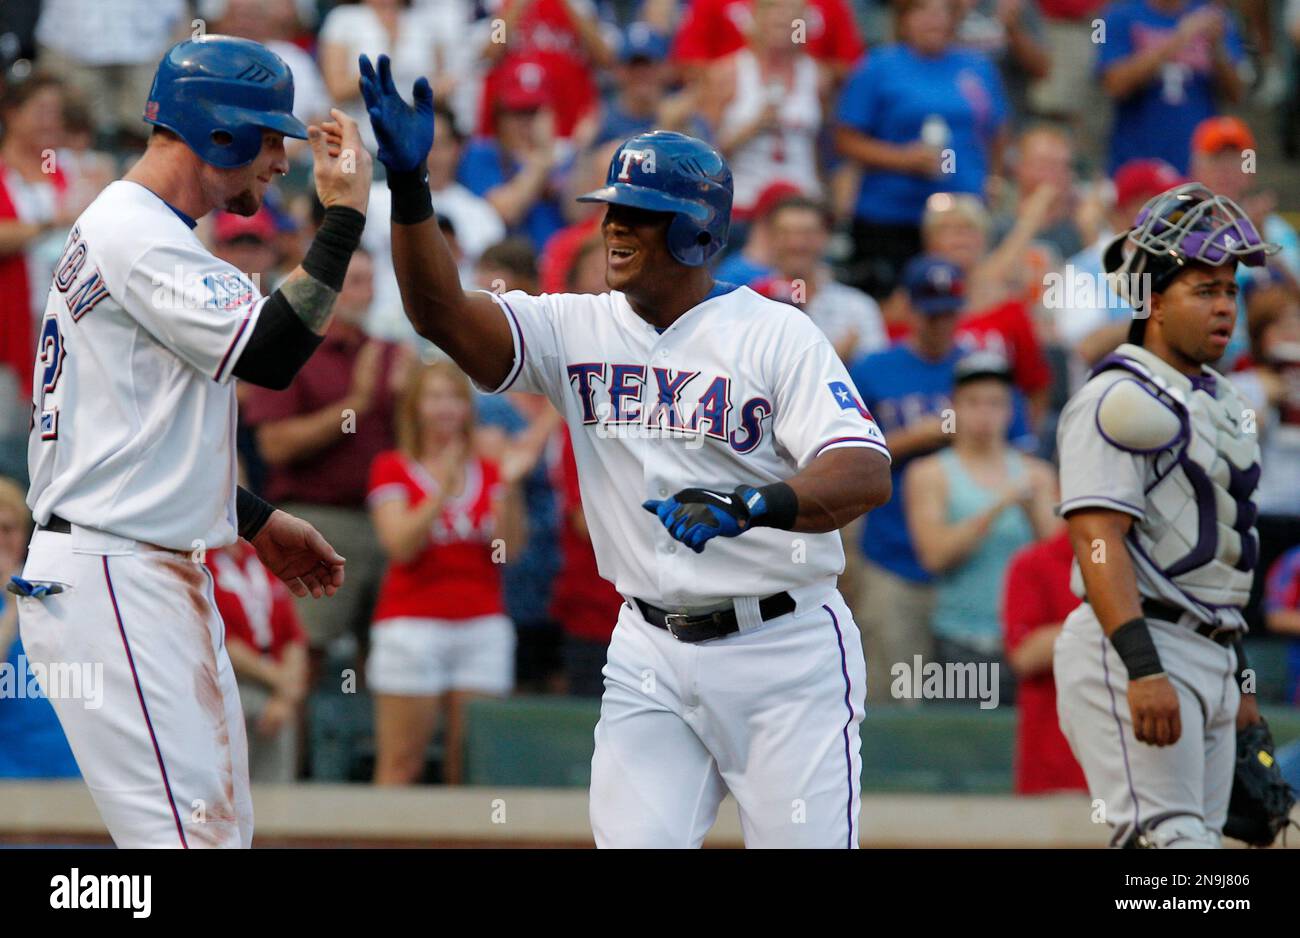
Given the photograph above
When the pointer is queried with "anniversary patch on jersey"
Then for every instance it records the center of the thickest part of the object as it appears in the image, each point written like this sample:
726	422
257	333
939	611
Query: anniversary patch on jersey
228	290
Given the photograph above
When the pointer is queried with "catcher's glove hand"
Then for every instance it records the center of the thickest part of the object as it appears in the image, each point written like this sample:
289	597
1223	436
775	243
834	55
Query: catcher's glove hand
1261	799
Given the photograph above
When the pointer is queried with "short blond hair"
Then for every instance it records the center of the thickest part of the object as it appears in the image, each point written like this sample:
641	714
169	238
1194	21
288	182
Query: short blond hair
945	205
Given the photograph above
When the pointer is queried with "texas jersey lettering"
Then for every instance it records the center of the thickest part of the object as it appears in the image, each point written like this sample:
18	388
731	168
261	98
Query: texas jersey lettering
740	389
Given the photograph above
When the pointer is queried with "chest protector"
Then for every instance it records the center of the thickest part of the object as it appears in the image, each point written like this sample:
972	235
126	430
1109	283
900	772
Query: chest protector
1202	451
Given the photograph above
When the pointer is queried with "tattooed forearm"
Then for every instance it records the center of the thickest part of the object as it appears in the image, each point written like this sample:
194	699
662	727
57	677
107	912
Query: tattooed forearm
311	300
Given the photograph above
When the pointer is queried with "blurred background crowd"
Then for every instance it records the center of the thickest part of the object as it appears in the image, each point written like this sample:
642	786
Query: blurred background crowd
929	180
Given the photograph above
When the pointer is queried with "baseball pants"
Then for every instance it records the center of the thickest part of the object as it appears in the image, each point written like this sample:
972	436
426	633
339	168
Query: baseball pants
1140	786
770	714
164	753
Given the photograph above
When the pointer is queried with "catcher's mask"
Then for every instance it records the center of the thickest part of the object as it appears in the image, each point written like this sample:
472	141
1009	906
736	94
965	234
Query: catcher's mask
1186	225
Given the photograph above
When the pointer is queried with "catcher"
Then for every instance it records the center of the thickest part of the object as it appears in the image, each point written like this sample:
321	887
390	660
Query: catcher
1159	464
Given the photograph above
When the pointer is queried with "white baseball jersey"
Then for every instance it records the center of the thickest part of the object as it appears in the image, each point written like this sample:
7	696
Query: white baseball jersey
739	390
133	421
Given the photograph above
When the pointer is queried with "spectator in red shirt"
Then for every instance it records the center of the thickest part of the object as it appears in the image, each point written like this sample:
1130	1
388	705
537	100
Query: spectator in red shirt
446	519
584	602
564	39
318	438
1036	600
268	650
712	29
32	191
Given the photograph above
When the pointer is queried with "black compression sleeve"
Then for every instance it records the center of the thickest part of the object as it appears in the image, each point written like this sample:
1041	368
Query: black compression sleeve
331	249
412	201
252	513
280	345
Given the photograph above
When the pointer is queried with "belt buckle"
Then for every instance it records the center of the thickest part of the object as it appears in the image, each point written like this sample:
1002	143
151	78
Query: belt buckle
672	619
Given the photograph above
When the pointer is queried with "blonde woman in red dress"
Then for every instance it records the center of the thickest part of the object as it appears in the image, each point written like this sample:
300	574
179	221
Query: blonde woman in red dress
447	520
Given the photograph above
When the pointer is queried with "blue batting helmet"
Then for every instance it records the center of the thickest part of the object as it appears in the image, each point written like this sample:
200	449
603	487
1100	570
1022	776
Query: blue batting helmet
218	93
663	171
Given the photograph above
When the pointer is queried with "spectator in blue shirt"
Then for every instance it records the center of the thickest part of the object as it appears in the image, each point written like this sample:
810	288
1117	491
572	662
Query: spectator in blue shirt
32	744
513	171
921	116
642	100
908	390
1165	64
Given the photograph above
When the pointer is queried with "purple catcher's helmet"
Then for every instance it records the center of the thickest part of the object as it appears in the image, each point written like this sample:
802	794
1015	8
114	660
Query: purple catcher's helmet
1188	224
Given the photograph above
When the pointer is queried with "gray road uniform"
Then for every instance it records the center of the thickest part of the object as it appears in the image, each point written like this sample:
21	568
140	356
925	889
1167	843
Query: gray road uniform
1180	456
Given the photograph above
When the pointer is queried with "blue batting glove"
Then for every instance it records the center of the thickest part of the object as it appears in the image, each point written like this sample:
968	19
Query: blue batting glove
405	133
696	516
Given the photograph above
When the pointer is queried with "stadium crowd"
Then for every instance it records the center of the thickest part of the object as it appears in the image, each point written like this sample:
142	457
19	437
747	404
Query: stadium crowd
931	181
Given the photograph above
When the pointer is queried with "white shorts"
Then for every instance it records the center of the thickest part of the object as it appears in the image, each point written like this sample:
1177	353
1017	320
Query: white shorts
417	656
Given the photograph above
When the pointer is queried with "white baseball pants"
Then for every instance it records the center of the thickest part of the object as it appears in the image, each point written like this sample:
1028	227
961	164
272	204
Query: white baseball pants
165	756
770	714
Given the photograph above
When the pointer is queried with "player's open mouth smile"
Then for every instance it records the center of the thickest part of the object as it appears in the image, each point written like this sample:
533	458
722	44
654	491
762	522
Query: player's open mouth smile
620	256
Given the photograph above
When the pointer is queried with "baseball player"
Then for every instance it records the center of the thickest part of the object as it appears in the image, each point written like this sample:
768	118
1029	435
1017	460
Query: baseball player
132	448
719	447
1159	463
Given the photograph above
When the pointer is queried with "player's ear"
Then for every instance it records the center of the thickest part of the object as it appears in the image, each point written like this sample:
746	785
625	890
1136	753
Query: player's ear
1156	306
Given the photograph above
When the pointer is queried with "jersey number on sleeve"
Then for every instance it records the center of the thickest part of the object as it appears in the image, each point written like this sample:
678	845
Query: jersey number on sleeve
51	359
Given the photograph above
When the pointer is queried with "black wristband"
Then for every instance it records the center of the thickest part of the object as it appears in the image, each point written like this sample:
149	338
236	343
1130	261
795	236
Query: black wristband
252	513
412	200
781	506
331	249
1242	665
1133	642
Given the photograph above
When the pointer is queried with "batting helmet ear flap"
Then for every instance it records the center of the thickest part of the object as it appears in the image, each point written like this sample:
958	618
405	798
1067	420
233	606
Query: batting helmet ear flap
692	245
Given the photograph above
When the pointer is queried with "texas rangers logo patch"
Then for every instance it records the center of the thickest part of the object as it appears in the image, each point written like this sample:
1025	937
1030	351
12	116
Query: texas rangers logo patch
847	399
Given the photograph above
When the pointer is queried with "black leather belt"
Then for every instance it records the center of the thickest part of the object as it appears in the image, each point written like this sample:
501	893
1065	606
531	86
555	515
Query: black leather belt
1155	609
709	625
57	525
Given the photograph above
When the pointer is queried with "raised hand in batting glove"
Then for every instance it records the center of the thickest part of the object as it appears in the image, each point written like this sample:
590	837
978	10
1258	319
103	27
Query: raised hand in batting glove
404	132
695	516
